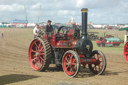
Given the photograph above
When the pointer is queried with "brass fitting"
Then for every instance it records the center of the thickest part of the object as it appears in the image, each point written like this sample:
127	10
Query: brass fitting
84	10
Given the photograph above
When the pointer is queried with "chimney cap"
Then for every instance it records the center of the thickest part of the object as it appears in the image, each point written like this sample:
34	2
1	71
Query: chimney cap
84	10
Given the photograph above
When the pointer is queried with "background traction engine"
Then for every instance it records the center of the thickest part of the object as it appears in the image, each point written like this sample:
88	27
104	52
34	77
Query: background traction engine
67	50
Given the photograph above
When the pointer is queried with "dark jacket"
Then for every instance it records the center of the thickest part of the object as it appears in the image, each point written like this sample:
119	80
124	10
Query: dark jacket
49	28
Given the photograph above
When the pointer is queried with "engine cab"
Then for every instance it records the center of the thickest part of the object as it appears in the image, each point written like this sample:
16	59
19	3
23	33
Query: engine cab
66	37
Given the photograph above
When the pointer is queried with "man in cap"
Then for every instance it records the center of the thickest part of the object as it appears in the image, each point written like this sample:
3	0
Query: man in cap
49	29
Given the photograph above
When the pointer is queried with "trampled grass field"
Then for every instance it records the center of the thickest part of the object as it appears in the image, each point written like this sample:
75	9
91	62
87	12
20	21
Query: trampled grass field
16	70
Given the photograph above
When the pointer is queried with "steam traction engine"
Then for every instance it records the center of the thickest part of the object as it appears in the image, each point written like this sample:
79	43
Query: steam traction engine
67	50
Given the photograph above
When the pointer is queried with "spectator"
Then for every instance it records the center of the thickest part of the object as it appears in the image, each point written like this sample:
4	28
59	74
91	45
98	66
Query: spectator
36	31
43	30
2	35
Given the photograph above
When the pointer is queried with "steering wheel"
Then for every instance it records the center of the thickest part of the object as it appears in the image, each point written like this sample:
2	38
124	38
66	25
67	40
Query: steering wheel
60	28
76	33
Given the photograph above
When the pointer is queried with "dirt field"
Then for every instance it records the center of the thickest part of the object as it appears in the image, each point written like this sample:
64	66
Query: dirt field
16	70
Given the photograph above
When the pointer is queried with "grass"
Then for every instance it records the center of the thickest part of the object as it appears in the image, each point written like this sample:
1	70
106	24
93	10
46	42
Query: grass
116	33
114	49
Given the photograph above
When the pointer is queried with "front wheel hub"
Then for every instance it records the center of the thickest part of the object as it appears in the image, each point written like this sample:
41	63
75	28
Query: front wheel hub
69	63
37	54
97	62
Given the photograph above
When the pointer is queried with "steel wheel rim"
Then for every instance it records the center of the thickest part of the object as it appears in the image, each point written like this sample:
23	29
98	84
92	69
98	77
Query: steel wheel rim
70	64
126	51
36	54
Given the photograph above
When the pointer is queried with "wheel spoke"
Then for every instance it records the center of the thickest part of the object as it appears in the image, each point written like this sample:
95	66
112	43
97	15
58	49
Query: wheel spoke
95	56
73	64
73	69
41	58
67	60
36	48
34	60
40	61
70	70
99	68
39	45
34	56
71	57
41	48
100	65
99	57
95	67
74	60
67	67
36	44
41	53
101	61
36	65
34	51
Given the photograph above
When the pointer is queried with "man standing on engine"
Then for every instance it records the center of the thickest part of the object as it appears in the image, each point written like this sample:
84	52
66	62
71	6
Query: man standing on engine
49	28
36	31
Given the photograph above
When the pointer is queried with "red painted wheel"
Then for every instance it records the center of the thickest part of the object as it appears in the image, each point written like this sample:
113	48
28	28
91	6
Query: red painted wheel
71	63
99	66
126	51
39	54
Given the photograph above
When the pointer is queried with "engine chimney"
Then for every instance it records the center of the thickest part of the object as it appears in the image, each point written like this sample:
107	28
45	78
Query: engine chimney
84	22
84	45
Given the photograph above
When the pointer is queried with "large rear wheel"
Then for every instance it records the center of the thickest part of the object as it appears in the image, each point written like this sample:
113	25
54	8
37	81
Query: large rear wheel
126	51
39	54
71	63
99	66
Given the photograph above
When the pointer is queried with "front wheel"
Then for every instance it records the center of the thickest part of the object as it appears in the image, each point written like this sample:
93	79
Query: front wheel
71	63
99	66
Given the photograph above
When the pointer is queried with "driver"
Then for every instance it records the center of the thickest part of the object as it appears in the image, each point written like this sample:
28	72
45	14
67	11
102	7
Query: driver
49	28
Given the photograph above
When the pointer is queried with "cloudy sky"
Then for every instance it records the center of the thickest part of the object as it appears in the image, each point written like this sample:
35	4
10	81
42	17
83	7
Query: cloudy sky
100	11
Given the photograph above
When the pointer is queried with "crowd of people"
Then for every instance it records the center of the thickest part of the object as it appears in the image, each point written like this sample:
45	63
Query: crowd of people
41	30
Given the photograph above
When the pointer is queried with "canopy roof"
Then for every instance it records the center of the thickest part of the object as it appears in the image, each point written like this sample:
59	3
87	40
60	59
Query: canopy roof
122	29
113	39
